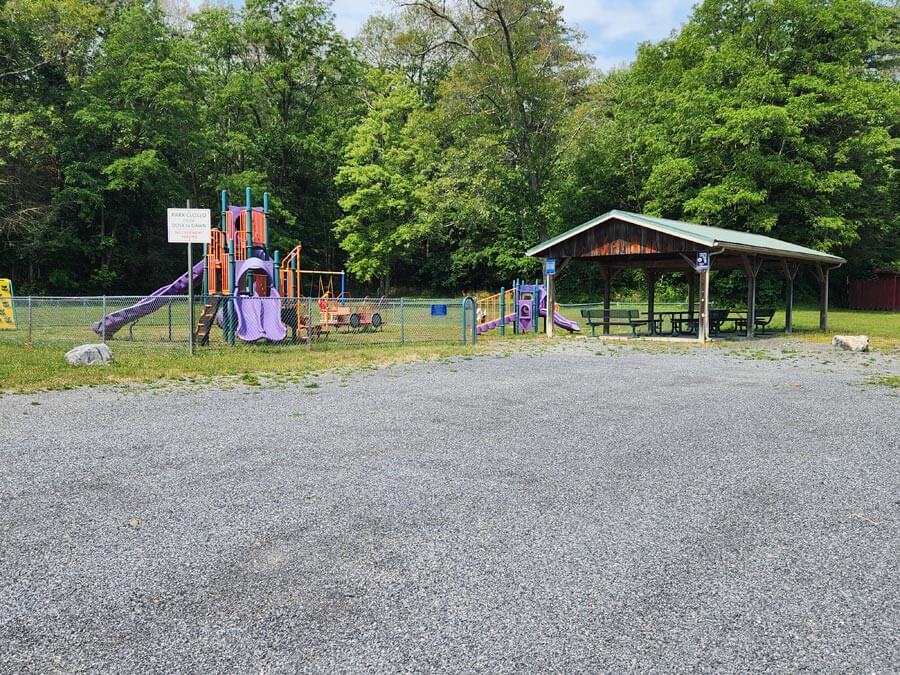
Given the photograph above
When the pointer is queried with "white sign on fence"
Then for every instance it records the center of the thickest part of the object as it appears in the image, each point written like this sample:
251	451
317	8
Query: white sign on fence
189	226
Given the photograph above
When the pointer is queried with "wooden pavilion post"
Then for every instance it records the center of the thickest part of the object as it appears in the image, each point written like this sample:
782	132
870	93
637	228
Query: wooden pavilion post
692	289
703	319
822	276
751	269
790	273
651	299
551	298
607	274
551	295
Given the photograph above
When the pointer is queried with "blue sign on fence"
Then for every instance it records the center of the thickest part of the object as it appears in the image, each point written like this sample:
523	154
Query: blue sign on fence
439	310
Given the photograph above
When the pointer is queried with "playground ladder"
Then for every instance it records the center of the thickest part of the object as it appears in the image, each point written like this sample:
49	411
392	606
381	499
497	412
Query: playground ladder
207	318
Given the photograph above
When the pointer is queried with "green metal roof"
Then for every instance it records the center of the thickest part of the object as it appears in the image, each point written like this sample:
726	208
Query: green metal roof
704	235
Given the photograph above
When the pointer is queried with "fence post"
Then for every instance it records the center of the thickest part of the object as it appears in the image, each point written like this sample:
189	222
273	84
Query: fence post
502	311
402	324
84	310
103	319
309	329
469	300
170	321
29	320
463	313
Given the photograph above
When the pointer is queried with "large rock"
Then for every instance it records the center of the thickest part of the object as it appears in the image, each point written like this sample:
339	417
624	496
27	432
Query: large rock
90	355
853	343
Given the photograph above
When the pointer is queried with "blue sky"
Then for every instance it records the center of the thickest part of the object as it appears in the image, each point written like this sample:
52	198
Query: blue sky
613	28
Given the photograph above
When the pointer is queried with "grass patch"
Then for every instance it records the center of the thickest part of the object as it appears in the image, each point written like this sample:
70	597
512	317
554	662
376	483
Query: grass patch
892	381
33	369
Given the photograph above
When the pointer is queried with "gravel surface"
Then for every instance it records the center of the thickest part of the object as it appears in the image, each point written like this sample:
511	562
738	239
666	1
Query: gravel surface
587	507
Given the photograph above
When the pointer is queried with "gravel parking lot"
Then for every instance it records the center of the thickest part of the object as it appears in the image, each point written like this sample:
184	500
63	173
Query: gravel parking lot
587	507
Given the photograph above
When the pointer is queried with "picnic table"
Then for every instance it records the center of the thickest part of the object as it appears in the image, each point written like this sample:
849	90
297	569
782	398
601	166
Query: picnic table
683	322
613	317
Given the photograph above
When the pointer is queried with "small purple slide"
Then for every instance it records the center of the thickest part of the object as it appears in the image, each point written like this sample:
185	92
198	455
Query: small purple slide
111	323
258	318
562	321
558	318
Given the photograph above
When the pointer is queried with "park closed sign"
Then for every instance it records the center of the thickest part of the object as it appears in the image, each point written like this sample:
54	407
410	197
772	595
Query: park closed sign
7	310
189	226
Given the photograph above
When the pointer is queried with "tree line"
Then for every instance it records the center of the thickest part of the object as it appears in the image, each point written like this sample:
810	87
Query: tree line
430	151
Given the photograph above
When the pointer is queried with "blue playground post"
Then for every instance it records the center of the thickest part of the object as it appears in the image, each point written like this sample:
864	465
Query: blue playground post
277	258
224	211
502	311
516	305
230	317
343	282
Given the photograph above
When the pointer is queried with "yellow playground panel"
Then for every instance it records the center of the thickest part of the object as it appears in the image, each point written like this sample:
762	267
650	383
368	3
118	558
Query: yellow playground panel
7	309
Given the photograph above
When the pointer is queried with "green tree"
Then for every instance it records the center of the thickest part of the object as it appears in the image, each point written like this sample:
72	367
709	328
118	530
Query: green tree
133	138
43	50
764	116
518	73
384	170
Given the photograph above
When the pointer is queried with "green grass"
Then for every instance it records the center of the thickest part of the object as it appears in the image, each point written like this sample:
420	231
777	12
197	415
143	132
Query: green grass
31	369
892	381
42	367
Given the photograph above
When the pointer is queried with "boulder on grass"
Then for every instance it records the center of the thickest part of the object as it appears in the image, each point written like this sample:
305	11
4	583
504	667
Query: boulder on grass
852	343
89	355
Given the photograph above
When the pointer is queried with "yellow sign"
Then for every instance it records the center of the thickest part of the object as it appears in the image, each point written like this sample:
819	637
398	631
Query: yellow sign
7	311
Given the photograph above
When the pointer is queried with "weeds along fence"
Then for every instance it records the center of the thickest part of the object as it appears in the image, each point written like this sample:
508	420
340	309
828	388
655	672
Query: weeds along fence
69	321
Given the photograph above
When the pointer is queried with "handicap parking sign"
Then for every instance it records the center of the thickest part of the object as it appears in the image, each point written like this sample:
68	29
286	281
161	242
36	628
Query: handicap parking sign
703	260
550	267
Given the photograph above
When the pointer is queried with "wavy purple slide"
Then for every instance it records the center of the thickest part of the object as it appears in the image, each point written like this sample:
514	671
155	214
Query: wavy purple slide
259	318
111	323
562	321
558	318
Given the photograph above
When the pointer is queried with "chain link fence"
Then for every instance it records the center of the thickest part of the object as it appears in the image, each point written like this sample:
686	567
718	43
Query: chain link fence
308	323
219	323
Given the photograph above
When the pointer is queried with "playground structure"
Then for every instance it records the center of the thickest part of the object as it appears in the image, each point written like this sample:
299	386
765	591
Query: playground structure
520	307
250	294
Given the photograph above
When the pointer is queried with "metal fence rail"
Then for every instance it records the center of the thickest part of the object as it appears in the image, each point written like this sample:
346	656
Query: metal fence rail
305	322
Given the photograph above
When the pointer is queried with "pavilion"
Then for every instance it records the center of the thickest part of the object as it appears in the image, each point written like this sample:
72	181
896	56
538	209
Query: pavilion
620	240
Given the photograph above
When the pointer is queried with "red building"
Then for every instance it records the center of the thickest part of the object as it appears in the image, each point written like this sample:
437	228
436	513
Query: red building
881	292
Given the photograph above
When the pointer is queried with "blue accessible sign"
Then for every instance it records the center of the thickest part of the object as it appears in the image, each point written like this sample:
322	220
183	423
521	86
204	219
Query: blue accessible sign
550	267
439	310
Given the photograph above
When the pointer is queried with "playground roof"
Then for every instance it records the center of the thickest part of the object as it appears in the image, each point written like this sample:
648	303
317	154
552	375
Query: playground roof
704	236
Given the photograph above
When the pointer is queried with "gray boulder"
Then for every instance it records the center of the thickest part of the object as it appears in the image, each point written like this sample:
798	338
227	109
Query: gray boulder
89	355
852	343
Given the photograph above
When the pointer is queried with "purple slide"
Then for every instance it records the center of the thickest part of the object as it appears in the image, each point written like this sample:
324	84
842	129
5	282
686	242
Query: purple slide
159	298
558	318
258	318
